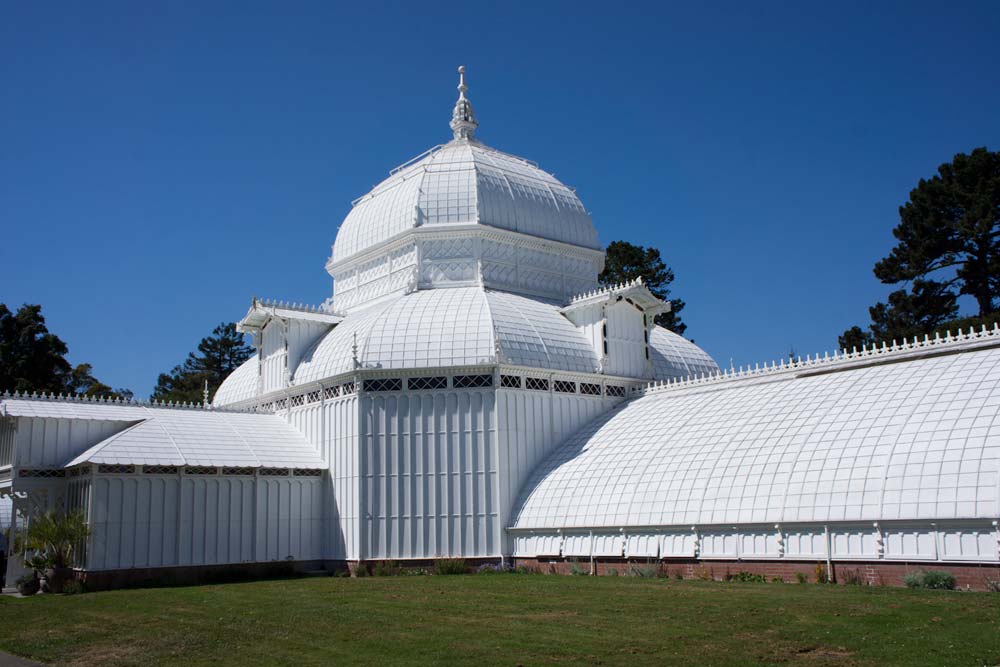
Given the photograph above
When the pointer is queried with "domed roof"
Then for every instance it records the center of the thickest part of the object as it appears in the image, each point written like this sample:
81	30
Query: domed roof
465	182
458	326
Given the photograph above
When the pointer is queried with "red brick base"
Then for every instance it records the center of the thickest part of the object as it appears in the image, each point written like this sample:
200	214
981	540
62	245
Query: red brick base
971	576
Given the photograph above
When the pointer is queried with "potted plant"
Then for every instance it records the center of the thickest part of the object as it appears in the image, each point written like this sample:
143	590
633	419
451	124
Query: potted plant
54	537
28	584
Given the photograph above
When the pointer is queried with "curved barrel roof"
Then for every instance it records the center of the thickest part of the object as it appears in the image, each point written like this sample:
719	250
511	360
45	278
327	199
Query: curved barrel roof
882	441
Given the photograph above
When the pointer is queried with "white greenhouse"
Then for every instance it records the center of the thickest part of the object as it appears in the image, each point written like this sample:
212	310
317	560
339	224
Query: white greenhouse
470	391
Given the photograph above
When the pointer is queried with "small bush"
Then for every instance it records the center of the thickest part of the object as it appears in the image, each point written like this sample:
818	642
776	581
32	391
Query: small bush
490	568
612	572
74	587
777	580
678	575
643	571
854	578
450	566
578	570
526	569
822	576
385	568
705	574
992	585
747	577
802	577
934	579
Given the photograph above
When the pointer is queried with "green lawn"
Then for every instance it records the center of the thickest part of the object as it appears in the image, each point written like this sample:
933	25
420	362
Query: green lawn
507	620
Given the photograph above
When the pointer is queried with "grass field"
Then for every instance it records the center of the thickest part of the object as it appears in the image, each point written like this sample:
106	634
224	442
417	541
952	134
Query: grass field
507	620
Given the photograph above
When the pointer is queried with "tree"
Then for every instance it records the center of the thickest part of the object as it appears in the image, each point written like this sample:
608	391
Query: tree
34	359
217	356
625	261
948	245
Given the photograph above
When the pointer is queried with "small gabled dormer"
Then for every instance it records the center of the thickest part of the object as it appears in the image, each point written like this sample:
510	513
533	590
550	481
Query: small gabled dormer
282	332
617	321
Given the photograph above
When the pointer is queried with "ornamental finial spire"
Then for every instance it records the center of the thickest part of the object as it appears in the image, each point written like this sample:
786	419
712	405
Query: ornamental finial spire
463	120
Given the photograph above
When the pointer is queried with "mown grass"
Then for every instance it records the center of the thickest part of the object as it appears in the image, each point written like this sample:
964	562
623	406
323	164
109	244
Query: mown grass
506	620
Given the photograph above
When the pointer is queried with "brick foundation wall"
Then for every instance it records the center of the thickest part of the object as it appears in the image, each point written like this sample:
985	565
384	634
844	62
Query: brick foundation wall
972	576
102	580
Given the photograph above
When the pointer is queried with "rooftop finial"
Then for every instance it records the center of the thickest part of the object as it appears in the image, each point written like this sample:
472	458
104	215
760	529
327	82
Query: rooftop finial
463	120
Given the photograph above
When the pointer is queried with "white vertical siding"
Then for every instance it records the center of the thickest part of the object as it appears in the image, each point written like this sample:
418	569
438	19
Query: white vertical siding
626	340
7	434
155	521
273	356
429	480
531	424
340	450
52	442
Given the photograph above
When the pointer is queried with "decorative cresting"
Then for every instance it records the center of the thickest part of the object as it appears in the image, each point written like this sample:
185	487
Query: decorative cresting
463	120
876	353
112	400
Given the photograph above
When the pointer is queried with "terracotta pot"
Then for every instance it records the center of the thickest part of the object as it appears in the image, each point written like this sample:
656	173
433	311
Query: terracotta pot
56	578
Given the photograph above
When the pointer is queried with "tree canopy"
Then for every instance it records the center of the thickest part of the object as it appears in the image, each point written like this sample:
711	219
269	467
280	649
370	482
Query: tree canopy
948	245
217	356
34	359
625	261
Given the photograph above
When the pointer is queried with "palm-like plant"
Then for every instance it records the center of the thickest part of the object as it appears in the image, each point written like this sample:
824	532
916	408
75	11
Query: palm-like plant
55	536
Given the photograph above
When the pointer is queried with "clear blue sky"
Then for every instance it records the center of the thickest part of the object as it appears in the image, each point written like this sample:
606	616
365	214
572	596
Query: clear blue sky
161	163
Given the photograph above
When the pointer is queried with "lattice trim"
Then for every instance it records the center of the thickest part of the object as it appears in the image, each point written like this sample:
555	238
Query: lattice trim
510	381
471	381
564	386
417	384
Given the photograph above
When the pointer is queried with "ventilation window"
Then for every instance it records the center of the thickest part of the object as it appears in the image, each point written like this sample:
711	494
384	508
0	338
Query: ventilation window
45	473
313	396
590	389
417	384
115	469
245	472
331	392
384	384
536	384
159	470
297	401
471	381
348	388
281	404
307	472
273	472
564	387
200	470
614	390
510	381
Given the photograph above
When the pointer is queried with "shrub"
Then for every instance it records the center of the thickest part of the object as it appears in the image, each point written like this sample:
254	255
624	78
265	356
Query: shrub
489	568
934	579
747	577
822	576
678	575
612	572
526	569
55	536
644	571
802	577
777	580
992	585
450	566
578	570
705	574
854	578
385	568
73	587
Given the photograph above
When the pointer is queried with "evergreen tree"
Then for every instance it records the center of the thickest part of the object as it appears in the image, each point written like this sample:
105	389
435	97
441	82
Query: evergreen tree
625	261
33	359
948	245
217	356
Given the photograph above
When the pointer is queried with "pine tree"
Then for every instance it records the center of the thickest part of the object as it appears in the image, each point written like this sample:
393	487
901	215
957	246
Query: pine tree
33	359
625	262
217	356
948	245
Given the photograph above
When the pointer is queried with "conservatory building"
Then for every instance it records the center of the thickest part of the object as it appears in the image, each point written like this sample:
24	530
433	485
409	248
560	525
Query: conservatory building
471	391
